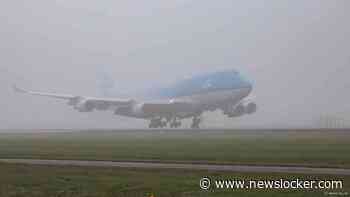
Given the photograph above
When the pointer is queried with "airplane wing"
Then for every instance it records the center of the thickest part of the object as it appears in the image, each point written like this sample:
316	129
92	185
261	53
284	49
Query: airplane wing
82	103
59	96
179	108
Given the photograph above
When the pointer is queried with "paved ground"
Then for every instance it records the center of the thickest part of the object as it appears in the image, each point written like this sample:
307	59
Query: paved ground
156	165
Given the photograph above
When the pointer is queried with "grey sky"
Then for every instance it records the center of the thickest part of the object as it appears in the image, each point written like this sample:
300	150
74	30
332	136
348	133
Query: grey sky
296	52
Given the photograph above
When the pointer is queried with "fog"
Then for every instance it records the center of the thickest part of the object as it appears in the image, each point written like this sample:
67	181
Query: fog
296	52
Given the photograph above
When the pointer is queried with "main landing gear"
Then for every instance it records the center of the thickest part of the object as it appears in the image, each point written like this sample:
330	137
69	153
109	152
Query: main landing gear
157	123
195	122
175	123
160	123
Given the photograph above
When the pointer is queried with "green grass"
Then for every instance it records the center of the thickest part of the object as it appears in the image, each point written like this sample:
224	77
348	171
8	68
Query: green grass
51	181
316	148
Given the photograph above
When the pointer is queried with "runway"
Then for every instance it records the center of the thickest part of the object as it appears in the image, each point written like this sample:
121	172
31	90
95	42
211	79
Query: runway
208	167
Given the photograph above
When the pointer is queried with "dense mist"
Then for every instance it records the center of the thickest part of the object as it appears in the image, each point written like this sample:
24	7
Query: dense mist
296	52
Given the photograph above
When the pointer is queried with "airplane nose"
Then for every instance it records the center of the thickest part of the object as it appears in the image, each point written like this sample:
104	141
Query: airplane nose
249	89
247	85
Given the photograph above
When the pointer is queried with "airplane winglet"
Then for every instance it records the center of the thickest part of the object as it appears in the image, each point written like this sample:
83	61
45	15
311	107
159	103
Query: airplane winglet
17	89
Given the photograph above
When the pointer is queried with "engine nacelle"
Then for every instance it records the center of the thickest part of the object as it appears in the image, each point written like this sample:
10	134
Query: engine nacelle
135	110
102	106
84	106
241	109
250	108
74	101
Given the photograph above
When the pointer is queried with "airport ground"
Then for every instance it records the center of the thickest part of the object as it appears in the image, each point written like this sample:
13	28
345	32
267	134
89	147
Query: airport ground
46	181
305	148
312	148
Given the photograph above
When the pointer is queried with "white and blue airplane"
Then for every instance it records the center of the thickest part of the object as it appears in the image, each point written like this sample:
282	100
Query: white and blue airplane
227	91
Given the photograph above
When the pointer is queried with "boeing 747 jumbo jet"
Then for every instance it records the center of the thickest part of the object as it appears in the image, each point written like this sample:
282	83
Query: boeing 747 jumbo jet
226	91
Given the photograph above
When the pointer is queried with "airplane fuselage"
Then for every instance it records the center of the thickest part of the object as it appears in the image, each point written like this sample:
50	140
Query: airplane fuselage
190	98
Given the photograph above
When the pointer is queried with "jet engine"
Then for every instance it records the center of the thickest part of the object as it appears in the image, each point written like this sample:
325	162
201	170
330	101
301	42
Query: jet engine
102	106
135	110
83	106
250	108
241	109
236	111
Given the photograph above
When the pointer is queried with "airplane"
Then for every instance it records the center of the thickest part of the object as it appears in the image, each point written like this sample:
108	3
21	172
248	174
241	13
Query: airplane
227	91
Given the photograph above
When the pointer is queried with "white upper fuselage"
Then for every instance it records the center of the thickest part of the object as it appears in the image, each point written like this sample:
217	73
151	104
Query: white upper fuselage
221	90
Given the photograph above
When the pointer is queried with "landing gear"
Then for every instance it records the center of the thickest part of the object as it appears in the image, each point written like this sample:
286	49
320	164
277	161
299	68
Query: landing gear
175	123
161	123
195	122
157	123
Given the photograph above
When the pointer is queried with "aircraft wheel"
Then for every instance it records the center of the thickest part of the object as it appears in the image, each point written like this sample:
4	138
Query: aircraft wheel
193	126
177	124
162	124
172	125
156	123
195	123
151	125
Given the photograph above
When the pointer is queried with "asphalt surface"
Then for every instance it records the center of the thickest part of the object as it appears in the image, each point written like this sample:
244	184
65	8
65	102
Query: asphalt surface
209	167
